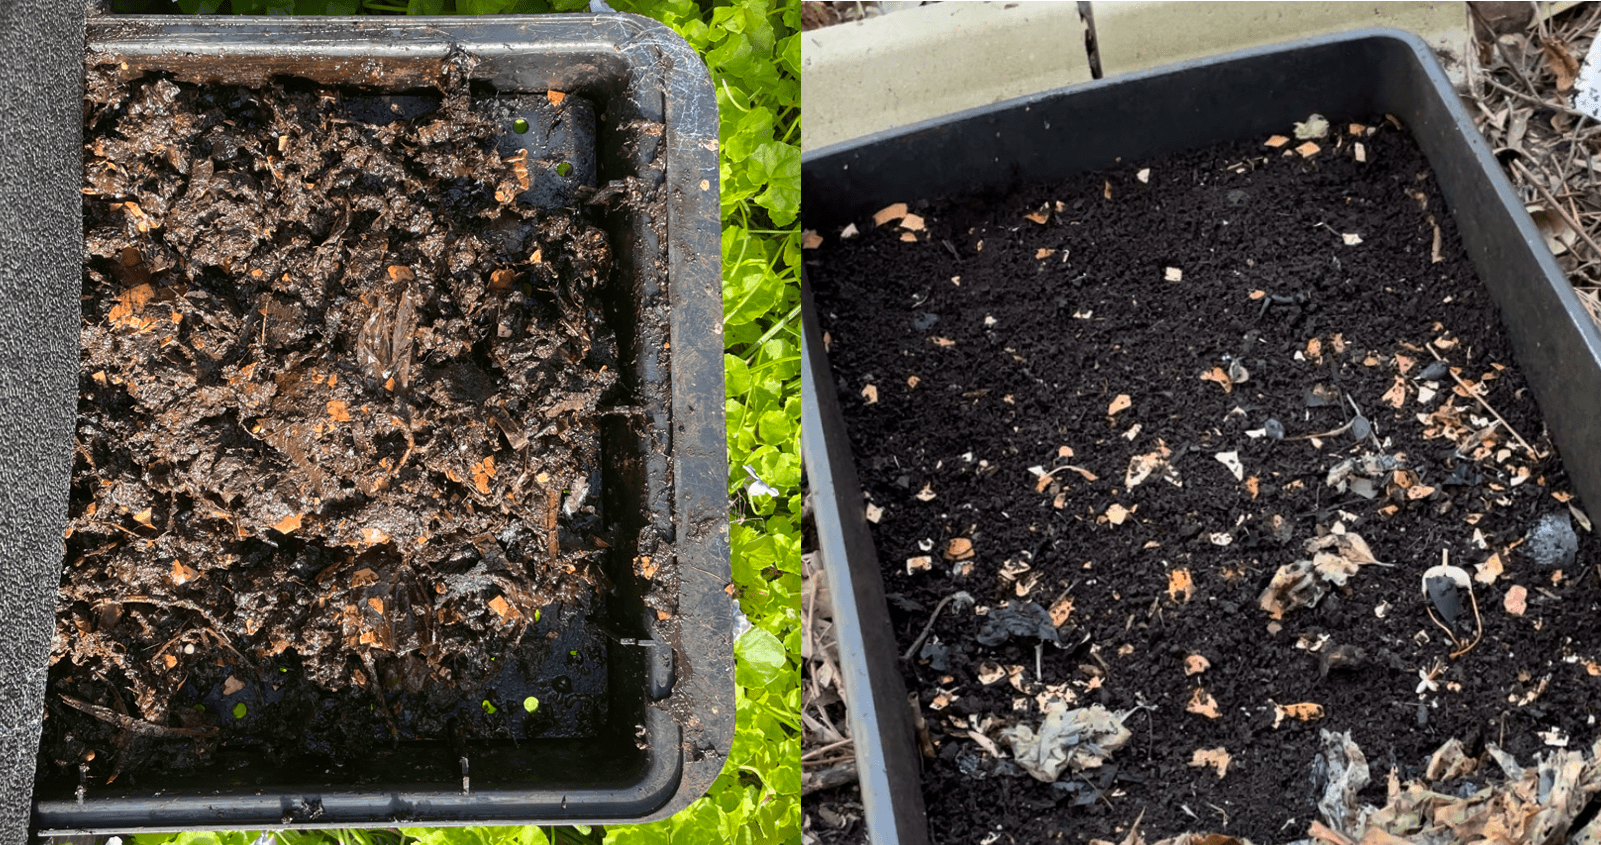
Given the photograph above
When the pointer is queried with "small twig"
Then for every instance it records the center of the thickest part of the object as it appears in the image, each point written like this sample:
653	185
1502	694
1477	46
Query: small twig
815	753
136	726
1530	98
1557	206
1471	392
960	595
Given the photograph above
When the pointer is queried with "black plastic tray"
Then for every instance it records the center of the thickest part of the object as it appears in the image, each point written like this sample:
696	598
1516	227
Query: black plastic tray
666	716
1185	106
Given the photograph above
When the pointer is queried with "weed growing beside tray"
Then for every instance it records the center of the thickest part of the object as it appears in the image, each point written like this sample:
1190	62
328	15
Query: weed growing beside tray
754	55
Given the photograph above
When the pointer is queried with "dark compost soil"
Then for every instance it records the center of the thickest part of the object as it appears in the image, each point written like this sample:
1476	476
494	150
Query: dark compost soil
337	436
994	343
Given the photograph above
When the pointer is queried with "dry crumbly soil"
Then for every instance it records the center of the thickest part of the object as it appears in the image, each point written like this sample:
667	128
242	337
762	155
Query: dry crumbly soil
337	447
1074	328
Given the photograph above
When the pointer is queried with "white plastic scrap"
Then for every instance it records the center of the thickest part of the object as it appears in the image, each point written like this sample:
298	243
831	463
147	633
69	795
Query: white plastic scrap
1077	739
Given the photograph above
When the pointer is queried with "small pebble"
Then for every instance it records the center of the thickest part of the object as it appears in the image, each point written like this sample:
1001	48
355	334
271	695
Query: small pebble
1434	371
1552	541
1274	429
1361	428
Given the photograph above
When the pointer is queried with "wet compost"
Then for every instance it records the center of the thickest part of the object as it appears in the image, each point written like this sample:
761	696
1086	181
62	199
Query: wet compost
1177	447
338	447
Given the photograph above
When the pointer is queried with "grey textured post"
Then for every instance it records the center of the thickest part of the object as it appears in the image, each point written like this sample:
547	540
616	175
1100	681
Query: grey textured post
41	247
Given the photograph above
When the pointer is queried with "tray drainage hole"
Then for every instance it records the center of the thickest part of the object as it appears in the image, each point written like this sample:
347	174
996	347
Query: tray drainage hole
519	126
239	710
530	704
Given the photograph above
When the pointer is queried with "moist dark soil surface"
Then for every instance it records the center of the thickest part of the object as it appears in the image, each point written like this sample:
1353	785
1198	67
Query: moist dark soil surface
1002	378
337	451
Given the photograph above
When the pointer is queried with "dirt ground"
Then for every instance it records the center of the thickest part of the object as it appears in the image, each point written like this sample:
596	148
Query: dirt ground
1121	450
337	451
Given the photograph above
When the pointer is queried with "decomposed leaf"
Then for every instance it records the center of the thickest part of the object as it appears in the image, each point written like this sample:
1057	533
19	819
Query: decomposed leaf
1305	711
1395	397
1561	63
1203	703
1216	374
1060	610
1180	585
1217	758
1119	404
1489	570
959	548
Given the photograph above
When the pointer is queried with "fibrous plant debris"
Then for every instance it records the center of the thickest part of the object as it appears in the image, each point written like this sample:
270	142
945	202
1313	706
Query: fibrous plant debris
339	397
1523	104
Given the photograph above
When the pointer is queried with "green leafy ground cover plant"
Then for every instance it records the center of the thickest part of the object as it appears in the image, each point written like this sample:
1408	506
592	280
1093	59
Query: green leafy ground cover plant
753	50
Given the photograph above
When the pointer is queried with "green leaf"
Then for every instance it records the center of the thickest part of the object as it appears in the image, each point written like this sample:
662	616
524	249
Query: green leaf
425	7
199	7
759	659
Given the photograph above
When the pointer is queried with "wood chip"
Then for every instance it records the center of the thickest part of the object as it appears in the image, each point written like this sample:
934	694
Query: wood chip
1043	252
398	273
894	211
482	472
503	608
232	685
1308	149
943	342
362	578
1351	238
921	563
1172	274
912	223
870	393
1119	404
1276	141
555	97
339	411
874	513
288	524
810	239
1395	397
1195	664
182	574
959	548
1041	217
1117	514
